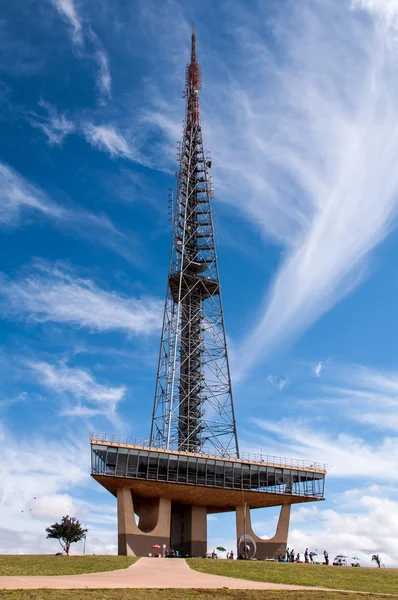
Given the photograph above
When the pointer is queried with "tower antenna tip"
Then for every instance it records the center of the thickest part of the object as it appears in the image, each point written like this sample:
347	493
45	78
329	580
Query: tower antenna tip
193	50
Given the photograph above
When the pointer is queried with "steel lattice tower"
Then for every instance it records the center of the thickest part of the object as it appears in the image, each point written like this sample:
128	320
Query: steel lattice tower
193	407
191	466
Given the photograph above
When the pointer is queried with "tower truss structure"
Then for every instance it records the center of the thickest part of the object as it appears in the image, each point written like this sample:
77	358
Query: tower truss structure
193	406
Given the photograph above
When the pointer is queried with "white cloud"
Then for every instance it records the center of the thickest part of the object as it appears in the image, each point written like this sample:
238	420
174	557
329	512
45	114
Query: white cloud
368	528
360	522
348	456
318	368
67	9
383	421
347	184
56	126
369	396
17	194
104	79
277	382
105	137
39	479
77	381
18	198
54	294
51	506
80	35
387	10
32	469
82	386
309	165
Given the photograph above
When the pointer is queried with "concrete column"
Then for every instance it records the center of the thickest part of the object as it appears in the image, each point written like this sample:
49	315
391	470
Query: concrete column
153	527
189	529
125	520
258	547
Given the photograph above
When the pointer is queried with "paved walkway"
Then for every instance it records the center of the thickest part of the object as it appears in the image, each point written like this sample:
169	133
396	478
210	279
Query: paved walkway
145	573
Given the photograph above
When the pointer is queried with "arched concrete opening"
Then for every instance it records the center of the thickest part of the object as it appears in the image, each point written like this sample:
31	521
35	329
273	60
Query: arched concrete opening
252	546
153	525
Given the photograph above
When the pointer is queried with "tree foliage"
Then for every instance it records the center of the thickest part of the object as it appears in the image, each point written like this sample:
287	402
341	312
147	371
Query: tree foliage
377	559
67	532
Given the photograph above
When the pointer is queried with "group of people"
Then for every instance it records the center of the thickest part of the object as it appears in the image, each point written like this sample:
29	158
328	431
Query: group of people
230	555
290	556
171	553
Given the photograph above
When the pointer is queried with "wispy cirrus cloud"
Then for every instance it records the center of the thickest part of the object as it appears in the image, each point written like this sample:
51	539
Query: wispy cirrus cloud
104	79
370	396
309	164
342	193
83	36
106	137
86	397
350	394
310	441
67	9
277	382
103	137
55	294
18	198
16	195
54	124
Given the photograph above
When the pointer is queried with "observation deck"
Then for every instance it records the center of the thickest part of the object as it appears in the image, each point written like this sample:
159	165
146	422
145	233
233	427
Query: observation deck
219	483
203	286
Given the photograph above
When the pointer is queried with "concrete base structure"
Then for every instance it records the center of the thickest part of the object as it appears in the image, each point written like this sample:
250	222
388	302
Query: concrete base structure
183	528
164	496
257	547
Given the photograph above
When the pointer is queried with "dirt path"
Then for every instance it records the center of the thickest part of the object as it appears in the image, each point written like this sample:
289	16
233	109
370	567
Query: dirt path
145	573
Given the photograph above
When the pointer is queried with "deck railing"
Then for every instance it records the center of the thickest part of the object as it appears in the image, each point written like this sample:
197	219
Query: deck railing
257	457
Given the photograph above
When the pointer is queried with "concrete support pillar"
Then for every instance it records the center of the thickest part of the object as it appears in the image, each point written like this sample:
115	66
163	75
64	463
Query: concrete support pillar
258	547
153	526
189	529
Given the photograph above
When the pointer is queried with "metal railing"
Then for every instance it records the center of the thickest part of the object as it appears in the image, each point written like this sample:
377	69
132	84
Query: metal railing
269	459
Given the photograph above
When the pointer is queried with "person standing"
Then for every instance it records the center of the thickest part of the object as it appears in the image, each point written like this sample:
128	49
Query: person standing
326	555
287	554
306	555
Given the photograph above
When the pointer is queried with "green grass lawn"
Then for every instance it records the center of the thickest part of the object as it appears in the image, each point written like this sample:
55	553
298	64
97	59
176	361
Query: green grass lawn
48	564
343	578
178	595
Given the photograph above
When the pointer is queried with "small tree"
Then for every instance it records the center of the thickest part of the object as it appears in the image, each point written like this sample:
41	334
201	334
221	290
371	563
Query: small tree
67	532
376	558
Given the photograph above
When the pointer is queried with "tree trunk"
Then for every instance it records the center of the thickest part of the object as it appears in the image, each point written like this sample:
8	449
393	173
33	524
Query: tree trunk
67	546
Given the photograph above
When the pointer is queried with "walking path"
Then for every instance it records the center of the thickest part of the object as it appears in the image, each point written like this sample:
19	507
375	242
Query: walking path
145	573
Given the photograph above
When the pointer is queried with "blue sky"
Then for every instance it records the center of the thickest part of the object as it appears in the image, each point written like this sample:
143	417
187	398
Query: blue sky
299	110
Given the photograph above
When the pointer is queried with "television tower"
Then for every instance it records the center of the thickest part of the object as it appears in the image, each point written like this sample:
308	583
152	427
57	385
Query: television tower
193	408
191	467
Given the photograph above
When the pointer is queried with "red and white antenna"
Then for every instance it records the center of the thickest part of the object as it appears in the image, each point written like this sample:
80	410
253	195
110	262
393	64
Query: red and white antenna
193	81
